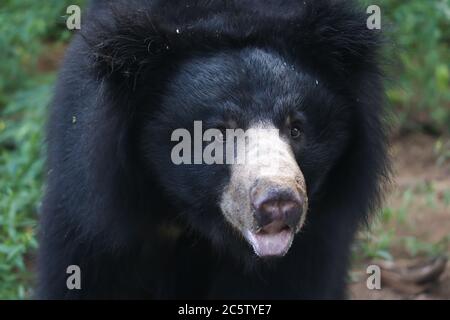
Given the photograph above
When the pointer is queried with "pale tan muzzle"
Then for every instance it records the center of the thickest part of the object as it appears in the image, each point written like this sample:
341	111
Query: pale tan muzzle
266	198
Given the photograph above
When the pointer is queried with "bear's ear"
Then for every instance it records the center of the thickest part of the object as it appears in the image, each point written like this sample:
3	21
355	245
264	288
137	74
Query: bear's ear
123	42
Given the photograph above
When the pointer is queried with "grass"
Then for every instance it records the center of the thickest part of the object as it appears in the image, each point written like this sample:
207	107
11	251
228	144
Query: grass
21	169
383	238
25	92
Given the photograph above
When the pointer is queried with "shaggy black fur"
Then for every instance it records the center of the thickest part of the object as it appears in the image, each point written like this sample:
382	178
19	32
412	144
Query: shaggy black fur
140	227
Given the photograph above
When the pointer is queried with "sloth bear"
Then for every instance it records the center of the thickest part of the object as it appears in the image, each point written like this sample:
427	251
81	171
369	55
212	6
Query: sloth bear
140	225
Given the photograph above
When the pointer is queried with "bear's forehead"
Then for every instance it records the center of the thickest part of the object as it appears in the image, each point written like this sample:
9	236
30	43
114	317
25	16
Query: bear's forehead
246	79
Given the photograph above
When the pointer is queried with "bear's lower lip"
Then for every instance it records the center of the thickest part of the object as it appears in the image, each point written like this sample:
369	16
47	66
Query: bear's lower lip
270	244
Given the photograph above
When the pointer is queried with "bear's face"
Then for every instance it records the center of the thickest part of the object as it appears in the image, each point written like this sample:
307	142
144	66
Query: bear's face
243	141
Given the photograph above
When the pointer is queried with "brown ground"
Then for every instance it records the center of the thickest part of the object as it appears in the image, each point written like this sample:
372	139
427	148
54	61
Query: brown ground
418	167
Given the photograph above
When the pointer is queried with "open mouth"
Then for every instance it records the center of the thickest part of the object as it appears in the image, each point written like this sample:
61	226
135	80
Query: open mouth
271	243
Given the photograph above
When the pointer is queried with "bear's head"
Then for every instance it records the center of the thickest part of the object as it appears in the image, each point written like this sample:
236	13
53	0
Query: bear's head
240	137
244	117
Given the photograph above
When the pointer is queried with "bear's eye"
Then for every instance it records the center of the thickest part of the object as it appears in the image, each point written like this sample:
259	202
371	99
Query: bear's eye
295	132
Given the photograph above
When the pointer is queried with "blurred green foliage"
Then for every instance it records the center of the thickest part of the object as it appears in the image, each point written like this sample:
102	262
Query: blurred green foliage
418	62
26	29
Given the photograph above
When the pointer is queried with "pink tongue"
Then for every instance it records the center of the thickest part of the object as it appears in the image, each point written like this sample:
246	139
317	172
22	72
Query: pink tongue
270	244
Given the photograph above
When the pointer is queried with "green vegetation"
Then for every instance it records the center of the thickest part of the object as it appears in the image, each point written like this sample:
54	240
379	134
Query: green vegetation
378	241
27	28
418	62
30	30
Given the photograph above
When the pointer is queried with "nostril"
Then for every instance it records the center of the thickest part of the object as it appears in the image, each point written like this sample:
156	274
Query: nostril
292	211
267	212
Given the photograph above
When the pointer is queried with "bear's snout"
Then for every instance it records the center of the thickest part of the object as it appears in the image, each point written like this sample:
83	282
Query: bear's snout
266	200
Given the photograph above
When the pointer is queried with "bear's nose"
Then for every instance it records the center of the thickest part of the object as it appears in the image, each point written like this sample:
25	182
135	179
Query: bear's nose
276	210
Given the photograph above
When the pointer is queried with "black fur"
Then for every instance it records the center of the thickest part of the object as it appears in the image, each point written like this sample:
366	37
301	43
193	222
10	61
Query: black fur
140	227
